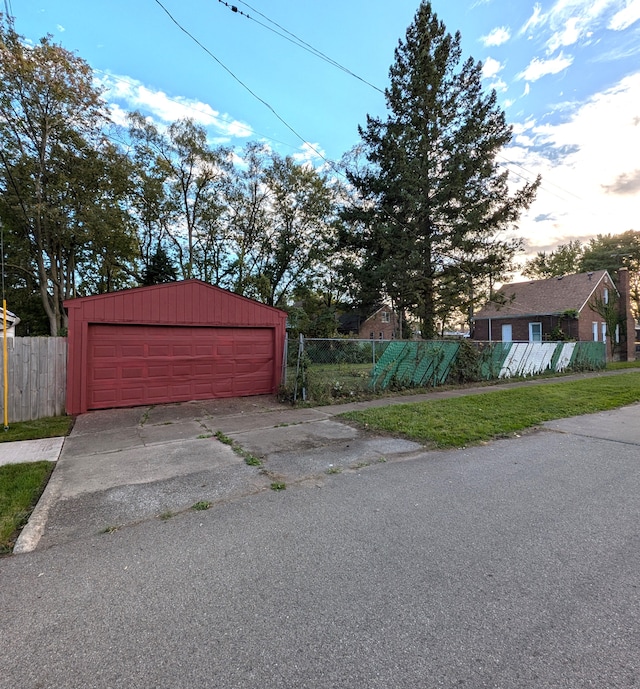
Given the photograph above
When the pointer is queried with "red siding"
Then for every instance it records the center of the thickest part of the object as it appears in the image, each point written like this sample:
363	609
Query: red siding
205	312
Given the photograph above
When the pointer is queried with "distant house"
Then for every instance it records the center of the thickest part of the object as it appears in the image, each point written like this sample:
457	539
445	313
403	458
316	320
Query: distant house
382	324
11	319
559	308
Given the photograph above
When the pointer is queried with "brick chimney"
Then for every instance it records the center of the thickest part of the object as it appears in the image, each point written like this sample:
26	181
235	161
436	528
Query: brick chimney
628	335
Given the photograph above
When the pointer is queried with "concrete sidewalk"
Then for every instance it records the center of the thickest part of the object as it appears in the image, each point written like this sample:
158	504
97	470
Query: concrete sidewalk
46	449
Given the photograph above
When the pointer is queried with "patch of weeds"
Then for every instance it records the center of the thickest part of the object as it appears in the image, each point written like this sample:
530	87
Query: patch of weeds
249	459
166	423
382	459
281	425
204	436
277	485
110	529
223	438
201	505
166	515
334	470
145	416
360	465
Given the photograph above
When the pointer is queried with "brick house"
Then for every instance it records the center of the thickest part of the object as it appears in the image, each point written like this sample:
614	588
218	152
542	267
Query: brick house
559	308
382	324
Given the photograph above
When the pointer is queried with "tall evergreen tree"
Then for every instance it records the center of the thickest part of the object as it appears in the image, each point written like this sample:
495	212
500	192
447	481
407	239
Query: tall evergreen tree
433	195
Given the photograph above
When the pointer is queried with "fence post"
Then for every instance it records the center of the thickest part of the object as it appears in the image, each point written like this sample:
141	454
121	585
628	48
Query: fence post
298	366
285	360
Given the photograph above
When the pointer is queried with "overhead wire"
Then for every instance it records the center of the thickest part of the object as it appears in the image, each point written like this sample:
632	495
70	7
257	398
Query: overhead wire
522	167
296	40
247	88
334	166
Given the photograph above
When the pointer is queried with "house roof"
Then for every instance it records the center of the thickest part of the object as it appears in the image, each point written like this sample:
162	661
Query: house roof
545	297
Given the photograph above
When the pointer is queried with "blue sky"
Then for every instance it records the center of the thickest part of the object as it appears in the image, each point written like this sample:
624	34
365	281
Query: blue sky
567	73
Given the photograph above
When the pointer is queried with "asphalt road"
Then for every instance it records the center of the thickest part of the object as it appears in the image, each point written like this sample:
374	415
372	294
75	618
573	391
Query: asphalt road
511	565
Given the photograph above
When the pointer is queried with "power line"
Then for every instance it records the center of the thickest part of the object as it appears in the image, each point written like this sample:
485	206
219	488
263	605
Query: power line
296	40
255	95
522	167
293	38
329	162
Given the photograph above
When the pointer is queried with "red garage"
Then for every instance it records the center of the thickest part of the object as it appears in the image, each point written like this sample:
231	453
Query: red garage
174	342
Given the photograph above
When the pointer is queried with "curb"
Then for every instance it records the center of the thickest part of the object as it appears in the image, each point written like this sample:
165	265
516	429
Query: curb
32	533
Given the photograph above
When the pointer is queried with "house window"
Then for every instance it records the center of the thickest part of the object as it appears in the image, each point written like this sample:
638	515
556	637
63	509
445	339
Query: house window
617	334
371	335
603	327
594	330
385	317
535	332
507	332
605	296
381	335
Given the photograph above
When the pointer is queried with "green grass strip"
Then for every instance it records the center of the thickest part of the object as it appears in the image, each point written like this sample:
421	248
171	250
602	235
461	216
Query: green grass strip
20	487
473	419
51	427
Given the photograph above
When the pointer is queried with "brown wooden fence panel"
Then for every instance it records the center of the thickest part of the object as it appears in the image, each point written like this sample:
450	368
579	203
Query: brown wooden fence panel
37	368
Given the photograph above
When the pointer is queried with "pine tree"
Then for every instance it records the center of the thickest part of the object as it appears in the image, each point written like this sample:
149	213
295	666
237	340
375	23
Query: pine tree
434	197
160	269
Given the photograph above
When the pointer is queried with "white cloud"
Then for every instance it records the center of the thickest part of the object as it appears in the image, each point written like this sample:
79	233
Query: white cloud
626	16
309	153
523	140
527	89
536	18
499	85
60	28
135	96
497	36
568	36
570	21
591	183
539	68
490	68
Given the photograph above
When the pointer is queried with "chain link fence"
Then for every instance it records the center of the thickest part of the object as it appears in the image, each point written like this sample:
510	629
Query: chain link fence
326	370
322	370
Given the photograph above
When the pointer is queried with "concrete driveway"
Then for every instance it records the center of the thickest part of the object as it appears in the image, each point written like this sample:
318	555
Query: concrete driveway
122	466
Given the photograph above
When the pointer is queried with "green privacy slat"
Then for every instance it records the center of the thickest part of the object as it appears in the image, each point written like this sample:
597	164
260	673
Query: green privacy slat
589	355
423	363
414	363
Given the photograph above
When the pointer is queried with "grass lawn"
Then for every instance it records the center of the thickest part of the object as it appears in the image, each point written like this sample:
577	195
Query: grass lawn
51	427
467	420
20	487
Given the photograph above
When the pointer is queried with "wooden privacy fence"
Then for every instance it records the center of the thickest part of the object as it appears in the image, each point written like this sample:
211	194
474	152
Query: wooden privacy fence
37	373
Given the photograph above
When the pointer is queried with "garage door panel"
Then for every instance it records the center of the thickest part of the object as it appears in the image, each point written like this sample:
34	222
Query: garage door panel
105	373
132	365
127	350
